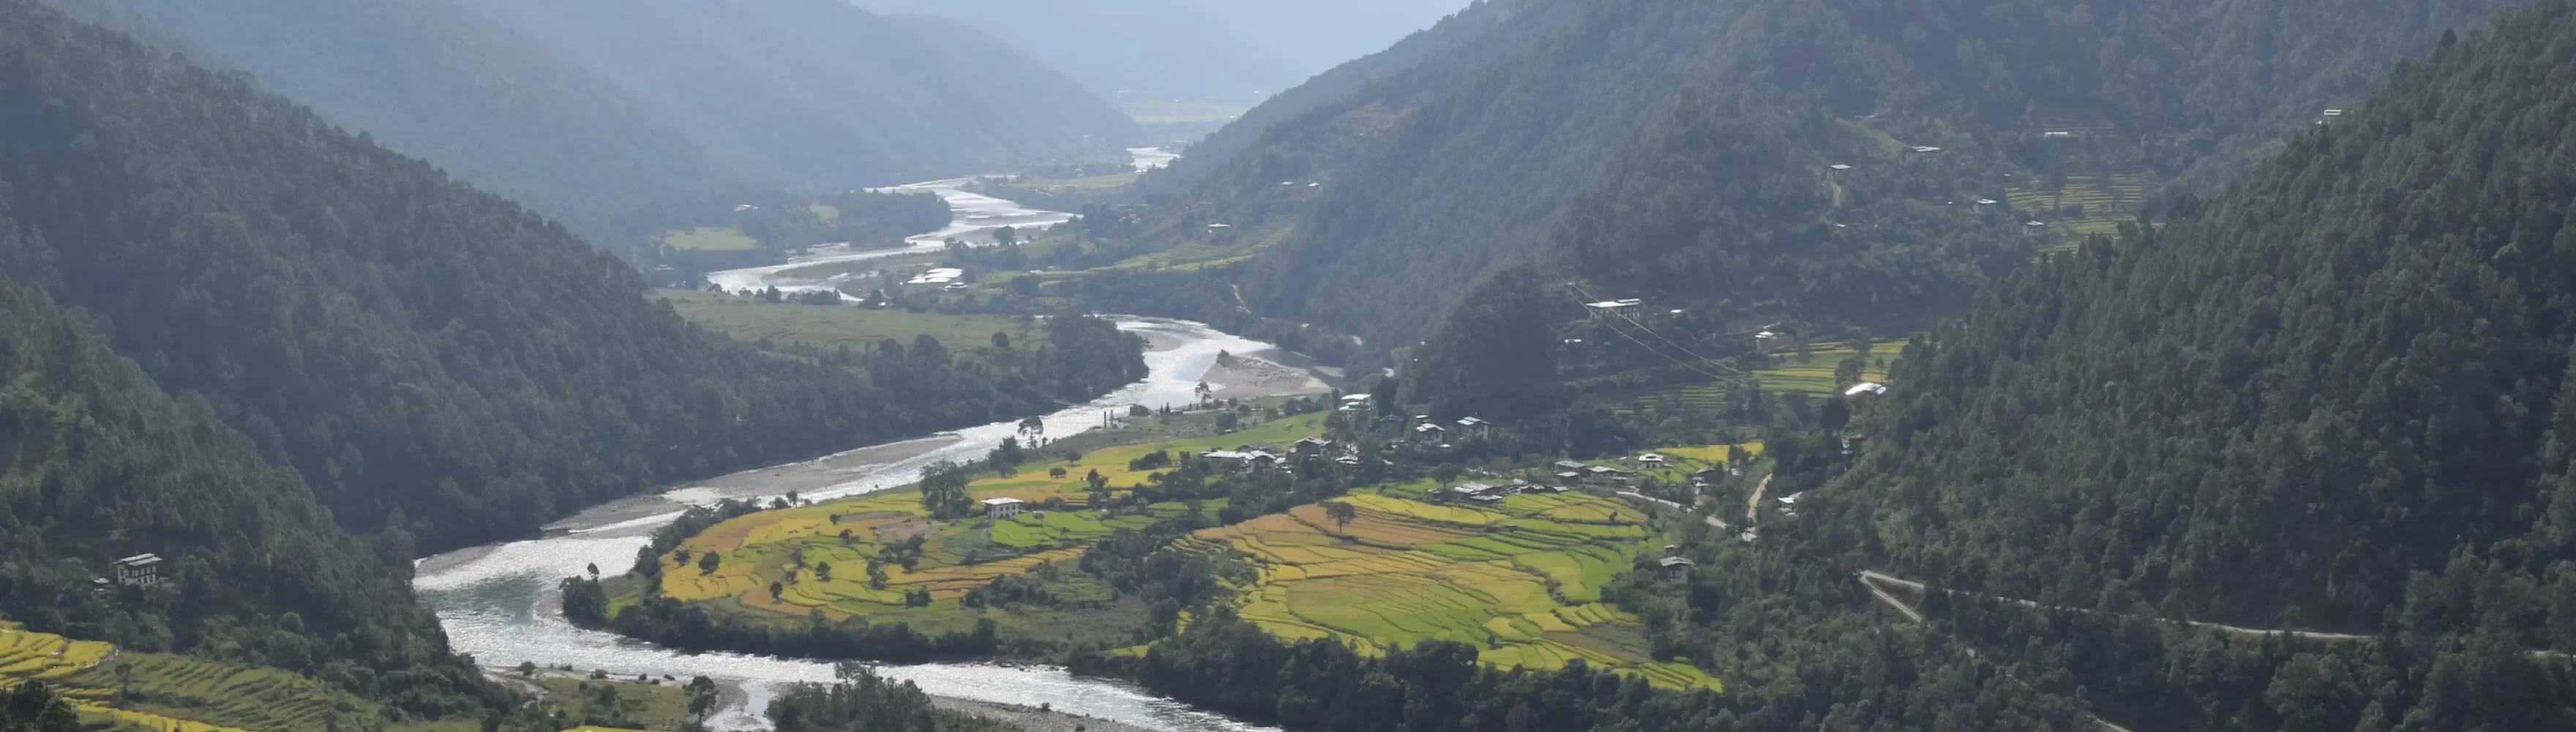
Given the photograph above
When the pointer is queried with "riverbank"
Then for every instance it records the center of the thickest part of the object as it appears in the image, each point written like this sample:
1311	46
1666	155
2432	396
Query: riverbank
497	601
1030	719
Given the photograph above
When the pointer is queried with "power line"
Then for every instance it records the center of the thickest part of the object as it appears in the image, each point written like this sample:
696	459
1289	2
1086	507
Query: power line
1740	375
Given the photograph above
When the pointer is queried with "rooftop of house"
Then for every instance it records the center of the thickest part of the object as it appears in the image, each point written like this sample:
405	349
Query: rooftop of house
139	560
1003	501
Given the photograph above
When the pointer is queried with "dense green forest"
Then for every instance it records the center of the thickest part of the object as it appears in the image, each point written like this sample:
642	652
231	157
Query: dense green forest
35	708
428	357
2333	397
823	93
100	464
1595	100
430	79
620	152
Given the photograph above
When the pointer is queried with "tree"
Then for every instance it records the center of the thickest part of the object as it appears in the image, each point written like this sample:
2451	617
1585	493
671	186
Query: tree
876	574
1341	514
707	563
594	570
943	489
702	697
823	571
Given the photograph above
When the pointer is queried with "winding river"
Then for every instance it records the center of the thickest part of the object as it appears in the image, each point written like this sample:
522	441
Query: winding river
498	601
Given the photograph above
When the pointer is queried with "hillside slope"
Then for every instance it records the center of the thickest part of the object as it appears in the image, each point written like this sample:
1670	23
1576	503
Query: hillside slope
432	80
427	356
1435	168
101	464
1166	48
822	93
2335	396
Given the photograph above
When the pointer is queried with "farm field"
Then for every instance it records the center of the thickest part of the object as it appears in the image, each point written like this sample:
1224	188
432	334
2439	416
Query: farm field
1813	375
712	239
791	547
170	693
663	706
829	327
1520	579
2084	206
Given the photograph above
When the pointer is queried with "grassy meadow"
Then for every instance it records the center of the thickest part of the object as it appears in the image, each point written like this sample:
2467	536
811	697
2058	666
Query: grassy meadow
829	327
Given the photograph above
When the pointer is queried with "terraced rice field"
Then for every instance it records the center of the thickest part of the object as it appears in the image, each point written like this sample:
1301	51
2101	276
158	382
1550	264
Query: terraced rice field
1813	375
170	693
956	556
2104	204
1521	580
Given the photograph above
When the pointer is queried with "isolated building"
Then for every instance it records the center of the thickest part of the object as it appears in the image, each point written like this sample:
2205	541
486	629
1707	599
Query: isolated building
140	570
1002	508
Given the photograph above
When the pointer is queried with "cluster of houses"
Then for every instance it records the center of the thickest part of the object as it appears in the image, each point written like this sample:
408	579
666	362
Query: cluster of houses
1259	458
1491	493
945	278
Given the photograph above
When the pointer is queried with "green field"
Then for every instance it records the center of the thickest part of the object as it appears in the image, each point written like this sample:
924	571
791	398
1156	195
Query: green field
662	706
830	327
1813	375
170	693
1521	579
710	239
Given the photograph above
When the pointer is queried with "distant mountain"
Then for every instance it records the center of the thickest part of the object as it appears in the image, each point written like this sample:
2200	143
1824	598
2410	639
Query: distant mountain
428	357
543	106
1148	48
1321	34
1468	147
819	92
103	465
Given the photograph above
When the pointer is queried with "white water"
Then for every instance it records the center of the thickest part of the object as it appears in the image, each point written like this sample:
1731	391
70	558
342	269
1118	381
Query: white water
499	603
976	217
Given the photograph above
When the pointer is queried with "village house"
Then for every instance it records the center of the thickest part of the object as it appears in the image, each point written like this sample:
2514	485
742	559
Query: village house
1677	569
1475	428
1002	508
140	570
1430	433
1246	460
1651	459
1310	447
1478	492
1865	388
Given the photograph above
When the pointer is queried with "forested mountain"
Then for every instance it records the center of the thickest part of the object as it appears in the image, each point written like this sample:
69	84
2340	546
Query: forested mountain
543	105
1315	35
427	356
430	79
823	93
97	463
1162	48
1467	147
2335	396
